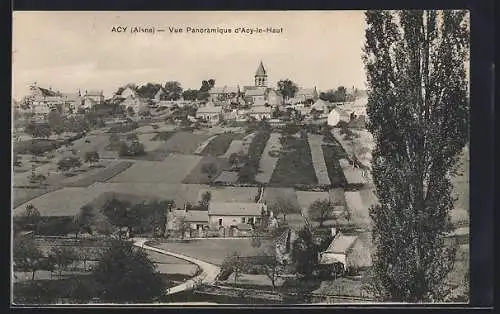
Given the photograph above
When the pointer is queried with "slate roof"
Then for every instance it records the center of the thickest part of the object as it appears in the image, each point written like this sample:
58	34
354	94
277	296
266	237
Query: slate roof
234	209
193	215
260	70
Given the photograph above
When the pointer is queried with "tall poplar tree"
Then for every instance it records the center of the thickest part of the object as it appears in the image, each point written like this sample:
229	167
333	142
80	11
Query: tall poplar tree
418	114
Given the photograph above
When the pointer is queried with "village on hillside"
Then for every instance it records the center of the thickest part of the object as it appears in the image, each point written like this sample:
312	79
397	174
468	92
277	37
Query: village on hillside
214	174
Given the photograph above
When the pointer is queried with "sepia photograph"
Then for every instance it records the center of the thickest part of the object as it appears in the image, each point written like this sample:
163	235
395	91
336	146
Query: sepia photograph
240	157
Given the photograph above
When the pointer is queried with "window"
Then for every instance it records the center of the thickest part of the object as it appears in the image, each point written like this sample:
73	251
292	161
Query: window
242	220
220	221
251	220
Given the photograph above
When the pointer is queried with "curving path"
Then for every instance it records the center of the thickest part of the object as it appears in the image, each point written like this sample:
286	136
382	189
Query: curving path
208	275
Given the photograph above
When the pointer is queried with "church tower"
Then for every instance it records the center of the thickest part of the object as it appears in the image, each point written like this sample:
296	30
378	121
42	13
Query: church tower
261	76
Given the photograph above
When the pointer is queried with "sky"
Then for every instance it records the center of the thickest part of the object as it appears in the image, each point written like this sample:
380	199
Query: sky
68	51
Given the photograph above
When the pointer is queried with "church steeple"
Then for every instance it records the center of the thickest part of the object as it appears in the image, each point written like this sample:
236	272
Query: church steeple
261	76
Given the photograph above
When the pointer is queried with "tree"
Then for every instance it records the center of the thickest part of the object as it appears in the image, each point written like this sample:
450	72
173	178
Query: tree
117	212
305	253
148	90
190	94
31	217
418	113
205	200
210	169
287	89
173	90
83	219
56	123
91	157
68	163
63	257
126	274
38	130
27	256
320	210
183	227
234	264
271	264
284	206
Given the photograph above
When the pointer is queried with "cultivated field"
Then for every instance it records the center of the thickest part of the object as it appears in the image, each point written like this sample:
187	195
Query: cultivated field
295	164
184	142
267	162
202	146
220	144
211	250
235	147
332	153
318	159
172	170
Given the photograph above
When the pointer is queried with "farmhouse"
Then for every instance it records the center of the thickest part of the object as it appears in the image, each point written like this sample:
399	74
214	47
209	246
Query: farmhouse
222	214
197	219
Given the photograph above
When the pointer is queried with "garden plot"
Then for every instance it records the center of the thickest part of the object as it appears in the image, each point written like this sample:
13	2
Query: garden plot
295	164
332	153
274	194
220	144
62	202
184	142
361	144
306	198
352	174
269	158
198	176
102	175
172	170
148	129
235	147
202	146
318	159
227	177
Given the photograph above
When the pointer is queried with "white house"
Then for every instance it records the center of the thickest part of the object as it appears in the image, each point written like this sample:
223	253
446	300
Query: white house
210	113
227	215
333	118
128	92
256	95
197	219
261	112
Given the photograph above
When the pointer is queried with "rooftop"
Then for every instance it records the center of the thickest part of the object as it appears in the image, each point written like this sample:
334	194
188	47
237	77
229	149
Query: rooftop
341	243
260	70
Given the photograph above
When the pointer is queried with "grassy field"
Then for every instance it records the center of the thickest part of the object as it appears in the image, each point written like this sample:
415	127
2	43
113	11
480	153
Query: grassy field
163	136
211	250
23	195
267	162
197	176
295	164
61	202
318	158
102	175
220	144
172	170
